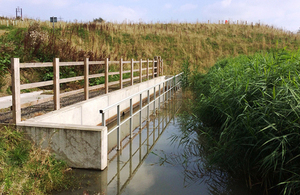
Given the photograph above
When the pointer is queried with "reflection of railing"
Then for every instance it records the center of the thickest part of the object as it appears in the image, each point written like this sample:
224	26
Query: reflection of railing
142	72
159	124
165	90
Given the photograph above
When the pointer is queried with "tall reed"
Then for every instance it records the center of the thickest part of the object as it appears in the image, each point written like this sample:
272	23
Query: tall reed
247	109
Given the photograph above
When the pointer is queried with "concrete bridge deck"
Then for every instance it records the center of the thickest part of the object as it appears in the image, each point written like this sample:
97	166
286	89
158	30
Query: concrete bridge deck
72	132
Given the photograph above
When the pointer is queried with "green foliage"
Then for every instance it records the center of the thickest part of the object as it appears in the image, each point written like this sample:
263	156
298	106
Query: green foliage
185	68
99	20
26	169
248	110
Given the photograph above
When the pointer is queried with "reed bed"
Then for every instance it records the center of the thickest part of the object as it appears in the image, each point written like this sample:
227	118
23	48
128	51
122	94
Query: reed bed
246	113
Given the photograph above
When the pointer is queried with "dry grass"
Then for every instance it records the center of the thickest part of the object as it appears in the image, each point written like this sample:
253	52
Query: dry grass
203	44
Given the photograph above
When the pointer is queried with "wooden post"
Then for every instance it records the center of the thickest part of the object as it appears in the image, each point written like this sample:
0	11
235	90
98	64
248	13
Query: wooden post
15	83
56	86
132	71
162	67
141	65
121	73
158	66
153	68
86	78
106	76
147	69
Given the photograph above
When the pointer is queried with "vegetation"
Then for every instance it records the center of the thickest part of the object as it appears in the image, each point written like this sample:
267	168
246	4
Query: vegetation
203	44
246	113
24	169
246	106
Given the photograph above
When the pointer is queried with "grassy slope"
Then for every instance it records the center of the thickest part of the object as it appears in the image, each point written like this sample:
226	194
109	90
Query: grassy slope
202	43
24	169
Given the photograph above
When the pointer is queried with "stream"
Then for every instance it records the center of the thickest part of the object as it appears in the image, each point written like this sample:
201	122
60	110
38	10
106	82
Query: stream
155	163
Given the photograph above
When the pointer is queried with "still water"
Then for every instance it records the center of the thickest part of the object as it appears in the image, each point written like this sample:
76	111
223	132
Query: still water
153	163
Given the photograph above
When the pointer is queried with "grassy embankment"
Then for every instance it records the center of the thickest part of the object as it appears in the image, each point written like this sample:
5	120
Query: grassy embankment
24	169
202	44
247	114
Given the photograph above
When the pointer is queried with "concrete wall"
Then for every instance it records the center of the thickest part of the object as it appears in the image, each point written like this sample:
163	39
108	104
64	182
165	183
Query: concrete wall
71	132
87	112
79	146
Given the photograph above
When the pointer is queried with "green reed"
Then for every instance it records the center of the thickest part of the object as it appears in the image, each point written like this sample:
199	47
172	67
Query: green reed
247	115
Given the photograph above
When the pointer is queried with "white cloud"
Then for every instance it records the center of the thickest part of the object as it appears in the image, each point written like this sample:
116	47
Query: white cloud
226	3
108	12
271	12
187	7
167	6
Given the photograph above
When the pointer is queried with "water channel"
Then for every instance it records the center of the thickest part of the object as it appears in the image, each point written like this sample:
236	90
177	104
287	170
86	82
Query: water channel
151	163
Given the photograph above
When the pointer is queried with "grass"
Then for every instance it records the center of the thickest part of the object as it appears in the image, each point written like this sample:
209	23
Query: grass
246	112
203	43
26	169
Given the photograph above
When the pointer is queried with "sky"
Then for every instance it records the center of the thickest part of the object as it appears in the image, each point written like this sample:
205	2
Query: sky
282	14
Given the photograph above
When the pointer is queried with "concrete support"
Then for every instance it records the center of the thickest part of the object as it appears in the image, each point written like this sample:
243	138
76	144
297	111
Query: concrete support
80	146
15	82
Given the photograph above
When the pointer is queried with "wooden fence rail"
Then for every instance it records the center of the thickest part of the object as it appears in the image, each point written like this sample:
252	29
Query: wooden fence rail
156	70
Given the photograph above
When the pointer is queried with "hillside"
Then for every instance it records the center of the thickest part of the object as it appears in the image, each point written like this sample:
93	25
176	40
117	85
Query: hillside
203	44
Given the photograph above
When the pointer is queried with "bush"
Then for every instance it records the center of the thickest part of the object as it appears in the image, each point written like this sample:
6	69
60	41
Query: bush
248	110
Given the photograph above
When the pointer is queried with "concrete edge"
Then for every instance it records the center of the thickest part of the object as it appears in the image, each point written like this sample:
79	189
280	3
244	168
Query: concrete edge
62	126
70	107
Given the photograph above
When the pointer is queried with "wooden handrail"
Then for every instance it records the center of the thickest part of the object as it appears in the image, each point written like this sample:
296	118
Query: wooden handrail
155	65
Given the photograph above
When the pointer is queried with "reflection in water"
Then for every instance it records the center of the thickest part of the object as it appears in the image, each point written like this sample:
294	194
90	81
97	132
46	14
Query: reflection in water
150	164
126	163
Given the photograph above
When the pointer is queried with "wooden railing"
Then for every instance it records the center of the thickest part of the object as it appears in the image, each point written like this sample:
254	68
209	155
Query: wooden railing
156	69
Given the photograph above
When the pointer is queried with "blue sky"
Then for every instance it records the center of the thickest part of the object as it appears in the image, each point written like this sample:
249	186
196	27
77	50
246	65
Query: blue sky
280	13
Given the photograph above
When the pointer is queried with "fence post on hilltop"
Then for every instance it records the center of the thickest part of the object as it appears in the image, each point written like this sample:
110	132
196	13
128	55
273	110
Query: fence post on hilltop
86	78
121	73
15	83
147	69
106	76
56	89
141	65
131	73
